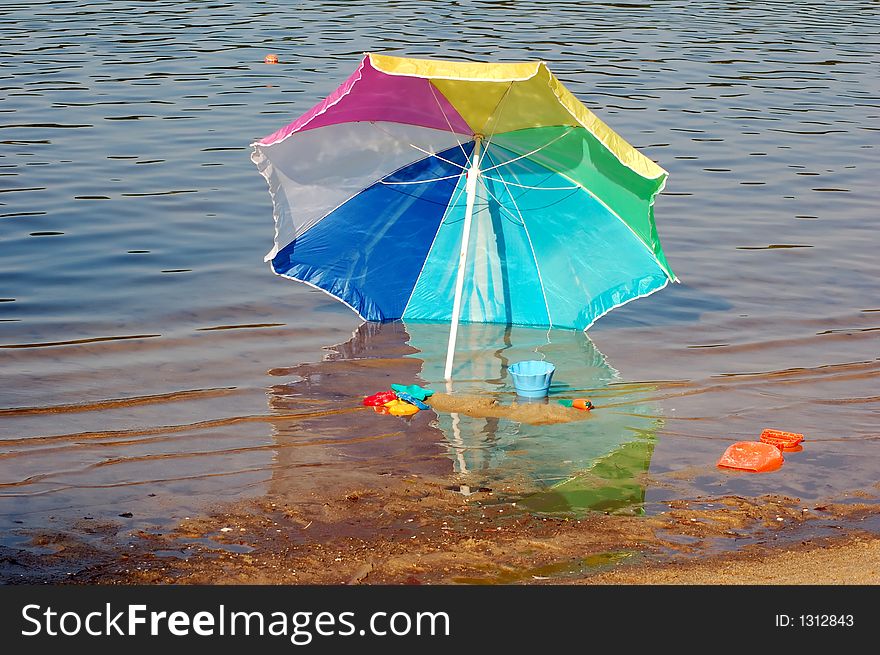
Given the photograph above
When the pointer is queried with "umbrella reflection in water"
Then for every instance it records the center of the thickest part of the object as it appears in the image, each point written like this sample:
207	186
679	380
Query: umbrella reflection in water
595	463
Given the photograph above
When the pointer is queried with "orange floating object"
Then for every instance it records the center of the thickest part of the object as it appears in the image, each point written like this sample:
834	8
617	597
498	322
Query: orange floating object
270	59
754	456
785	440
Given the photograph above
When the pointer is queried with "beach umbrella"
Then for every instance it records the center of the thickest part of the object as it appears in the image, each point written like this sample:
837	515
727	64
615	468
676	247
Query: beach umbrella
433	190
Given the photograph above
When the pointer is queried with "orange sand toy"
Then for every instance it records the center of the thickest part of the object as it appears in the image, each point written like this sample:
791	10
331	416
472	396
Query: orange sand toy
786	440
754	456
578	403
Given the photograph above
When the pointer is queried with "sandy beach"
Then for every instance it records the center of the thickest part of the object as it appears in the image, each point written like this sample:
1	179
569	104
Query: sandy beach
851	560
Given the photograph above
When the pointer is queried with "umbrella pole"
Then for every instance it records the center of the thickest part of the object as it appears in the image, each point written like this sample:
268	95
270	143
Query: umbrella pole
471	187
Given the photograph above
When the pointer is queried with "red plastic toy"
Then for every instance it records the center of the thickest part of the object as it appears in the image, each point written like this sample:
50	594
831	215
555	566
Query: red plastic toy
379	399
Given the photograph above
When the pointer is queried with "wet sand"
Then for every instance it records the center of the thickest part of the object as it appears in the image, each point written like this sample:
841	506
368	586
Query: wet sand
417	530
487	407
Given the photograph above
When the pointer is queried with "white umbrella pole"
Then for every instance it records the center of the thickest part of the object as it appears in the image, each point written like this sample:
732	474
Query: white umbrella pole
471	187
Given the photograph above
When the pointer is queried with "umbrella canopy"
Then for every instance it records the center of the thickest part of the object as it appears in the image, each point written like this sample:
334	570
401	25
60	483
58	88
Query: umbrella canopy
459	191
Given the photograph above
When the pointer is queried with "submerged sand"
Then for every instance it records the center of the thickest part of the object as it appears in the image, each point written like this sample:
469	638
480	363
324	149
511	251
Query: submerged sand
539	412
416	530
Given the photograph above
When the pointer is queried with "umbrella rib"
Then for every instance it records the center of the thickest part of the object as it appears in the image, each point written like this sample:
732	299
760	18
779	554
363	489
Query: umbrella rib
342	300
504	209
529	154
499	107
423	150
639	239
534	188
354	195
531	247
445	117
443	159
669	275
433	179
547	206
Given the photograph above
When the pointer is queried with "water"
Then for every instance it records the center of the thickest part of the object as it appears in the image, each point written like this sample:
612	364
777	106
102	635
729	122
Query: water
151	364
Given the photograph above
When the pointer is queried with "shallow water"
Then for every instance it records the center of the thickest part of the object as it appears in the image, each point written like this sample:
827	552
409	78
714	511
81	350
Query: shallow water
152	365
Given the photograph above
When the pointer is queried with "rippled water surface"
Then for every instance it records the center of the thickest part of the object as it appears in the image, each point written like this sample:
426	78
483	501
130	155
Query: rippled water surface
150	363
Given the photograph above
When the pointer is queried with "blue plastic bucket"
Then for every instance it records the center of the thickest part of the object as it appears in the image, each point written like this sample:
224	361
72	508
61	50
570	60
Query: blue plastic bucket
531	378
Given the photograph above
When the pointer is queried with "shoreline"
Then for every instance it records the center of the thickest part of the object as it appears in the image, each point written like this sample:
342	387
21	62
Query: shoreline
416	530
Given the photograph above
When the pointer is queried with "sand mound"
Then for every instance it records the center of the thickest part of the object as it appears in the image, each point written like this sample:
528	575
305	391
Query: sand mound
533	413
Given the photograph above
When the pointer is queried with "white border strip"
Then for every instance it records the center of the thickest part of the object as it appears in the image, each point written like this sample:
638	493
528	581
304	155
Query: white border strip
643	295
536	64
314	286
